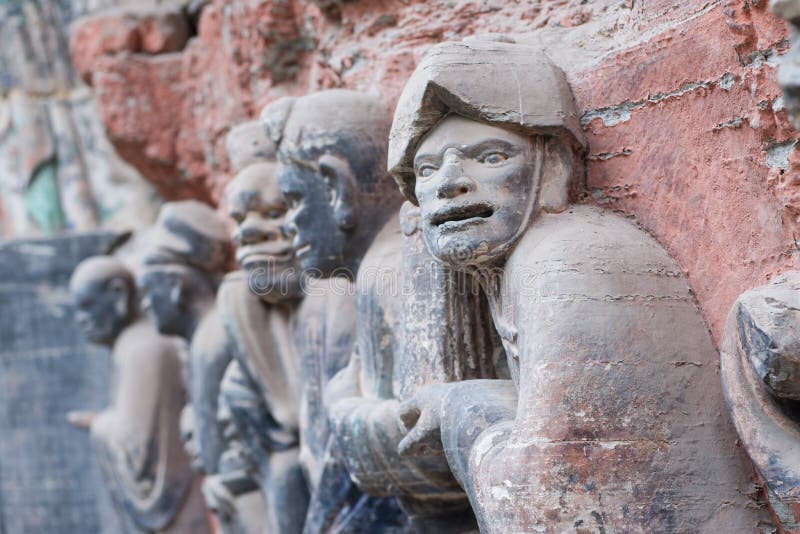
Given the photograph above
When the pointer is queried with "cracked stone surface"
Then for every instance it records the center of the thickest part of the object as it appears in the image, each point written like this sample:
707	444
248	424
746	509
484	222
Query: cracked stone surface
680	104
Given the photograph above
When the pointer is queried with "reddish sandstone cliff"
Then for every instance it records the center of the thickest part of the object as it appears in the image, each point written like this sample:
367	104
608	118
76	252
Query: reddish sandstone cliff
679	100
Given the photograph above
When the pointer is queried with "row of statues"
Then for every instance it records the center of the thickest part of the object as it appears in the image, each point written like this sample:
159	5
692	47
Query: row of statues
490	355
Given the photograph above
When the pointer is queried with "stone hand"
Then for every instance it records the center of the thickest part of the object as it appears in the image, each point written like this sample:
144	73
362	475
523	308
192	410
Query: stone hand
421	417
81	418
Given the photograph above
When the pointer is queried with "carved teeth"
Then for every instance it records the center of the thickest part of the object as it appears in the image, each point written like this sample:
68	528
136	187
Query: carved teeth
462	213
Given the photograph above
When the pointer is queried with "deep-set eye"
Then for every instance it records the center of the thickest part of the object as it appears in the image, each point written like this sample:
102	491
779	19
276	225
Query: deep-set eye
425	171
275	214
494	157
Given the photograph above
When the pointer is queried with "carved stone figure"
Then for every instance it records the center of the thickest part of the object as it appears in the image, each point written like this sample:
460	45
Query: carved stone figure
261	388
789	70
190	253
611	421
331	171
760	367
136	438
417	323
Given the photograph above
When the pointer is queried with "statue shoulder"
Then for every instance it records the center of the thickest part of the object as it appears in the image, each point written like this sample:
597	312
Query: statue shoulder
591	239
142	340
210	337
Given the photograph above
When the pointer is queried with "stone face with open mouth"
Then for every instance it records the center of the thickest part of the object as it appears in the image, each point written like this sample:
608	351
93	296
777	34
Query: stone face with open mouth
458	217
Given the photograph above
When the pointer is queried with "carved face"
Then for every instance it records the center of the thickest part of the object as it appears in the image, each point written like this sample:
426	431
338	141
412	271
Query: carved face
264	249
102	308
475	187
315	218
162	290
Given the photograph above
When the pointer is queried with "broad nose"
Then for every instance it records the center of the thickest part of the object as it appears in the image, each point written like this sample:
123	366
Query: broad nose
454	181
255	230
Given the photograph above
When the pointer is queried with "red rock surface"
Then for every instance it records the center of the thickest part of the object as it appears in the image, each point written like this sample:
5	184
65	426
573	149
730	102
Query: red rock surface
681	107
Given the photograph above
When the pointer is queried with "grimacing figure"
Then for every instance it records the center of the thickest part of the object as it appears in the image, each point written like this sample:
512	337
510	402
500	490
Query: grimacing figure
331	154
136	438
261	387
610	421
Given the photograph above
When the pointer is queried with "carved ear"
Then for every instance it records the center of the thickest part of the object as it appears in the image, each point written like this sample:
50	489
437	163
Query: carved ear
177	295
556	176
342	190
119	289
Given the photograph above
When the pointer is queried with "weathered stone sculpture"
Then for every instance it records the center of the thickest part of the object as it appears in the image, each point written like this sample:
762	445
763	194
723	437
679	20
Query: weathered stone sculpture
136	438
331	153
760	366
261	388
190	253
611	421
417	323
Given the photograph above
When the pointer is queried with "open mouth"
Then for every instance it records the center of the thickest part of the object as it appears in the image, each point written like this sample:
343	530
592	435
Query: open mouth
458	216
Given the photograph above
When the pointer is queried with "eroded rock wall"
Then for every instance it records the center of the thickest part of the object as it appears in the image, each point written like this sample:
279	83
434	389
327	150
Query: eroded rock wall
680	103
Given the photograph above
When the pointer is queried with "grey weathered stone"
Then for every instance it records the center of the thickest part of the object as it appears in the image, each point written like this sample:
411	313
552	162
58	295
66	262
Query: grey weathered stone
610	421
331	171
760	368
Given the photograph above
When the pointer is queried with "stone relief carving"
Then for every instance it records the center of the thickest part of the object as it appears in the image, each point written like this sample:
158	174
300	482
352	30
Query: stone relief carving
179	281
760	367
520	372
136	439
610	421
261	386
331	171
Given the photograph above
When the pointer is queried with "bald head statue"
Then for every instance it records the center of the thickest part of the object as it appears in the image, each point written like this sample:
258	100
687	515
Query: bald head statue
332	171
105	296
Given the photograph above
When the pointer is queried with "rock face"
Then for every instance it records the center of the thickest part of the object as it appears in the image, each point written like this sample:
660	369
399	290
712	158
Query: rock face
679	103
57	169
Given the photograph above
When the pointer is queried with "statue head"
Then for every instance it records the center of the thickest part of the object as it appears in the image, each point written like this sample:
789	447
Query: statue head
332	154
105	296
483	138
789	70
190	252
255	202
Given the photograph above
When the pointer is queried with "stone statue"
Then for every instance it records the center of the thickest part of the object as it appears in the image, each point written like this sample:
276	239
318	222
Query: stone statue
417	323
331	171
261	388
789	70
136	438
611	421
760	367
181	273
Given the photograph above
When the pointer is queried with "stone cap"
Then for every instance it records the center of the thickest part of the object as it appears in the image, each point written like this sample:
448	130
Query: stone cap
190	233
494	81
247	143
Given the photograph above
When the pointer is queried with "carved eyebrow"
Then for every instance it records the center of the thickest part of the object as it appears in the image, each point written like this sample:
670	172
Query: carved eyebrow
471	151
477	149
